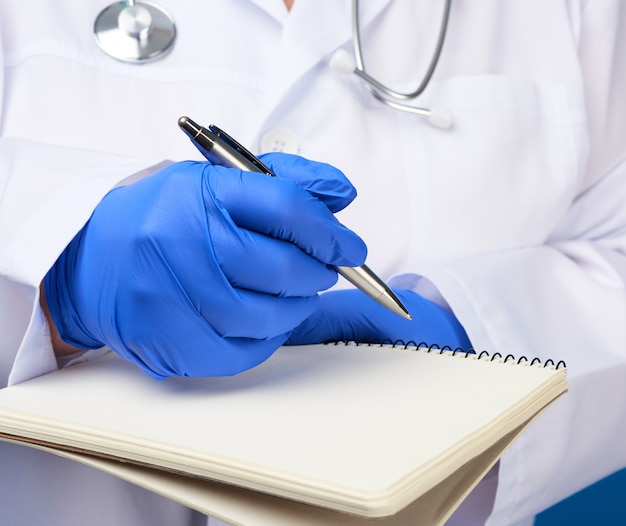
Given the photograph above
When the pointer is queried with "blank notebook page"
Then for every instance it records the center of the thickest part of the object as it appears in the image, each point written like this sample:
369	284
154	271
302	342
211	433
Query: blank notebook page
355	428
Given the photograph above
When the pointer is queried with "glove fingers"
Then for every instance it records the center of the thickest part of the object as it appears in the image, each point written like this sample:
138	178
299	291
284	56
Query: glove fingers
249	314
281	209
321	180
193	348
344	315
232	312
260	263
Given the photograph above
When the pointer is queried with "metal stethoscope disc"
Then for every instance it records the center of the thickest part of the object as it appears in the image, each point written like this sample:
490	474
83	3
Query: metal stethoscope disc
134	31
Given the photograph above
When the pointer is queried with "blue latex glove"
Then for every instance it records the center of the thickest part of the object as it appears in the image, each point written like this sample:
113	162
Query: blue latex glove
349	315
200	270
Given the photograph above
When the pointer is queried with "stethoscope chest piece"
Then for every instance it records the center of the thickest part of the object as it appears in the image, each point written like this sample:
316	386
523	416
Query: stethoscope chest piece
134	31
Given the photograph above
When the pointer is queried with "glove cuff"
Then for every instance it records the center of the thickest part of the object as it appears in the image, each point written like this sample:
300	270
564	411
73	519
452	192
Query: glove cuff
58	284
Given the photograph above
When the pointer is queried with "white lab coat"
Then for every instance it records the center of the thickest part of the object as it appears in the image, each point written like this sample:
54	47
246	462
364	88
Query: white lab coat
515	217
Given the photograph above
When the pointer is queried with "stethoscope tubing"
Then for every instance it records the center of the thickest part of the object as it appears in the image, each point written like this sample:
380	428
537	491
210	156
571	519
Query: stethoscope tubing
115	33
379	89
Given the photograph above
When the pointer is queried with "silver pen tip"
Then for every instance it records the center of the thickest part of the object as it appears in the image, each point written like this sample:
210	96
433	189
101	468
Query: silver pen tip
364	279
393	303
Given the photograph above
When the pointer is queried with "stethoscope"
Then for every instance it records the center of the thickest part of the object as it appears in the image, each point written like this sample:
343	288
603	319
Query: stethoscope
135	32
343	62
138	32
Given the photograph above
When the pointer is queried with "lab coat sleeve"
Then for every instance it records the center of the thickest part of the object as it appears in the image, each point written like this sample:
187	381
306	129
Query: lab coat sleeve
47	194
565	300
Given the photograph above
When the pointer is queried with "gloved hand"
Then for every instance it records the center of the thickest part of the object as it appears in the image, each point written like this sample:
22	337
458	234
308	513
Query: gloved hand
349	315
200	270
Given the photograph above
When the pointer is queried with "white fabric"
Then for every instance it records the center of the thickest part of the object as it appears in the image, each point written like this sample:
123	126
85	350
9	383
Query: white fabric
514	217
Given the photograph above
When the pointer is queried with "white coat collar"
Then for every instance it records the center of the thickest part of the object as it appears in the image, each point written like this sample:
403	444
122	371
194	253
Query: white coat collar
275	8
312	31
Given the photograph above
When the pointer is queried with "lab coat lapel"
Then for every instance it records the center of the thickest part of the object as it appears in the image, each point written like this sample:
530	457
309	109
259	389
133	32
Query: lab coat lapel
311	34
275	8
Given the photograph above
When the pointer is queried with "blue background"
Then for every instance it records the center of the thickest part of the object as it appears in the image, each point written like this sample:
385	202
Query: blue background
603	504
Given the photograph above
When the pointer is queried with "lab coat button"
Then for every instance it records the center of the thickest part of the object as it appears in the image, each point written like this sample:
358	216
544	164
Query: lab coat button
279	141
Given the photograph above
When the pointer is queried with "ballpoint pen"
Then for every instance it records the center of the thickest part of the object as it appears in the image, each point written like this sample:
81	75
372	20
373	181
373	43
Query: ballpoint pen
220	148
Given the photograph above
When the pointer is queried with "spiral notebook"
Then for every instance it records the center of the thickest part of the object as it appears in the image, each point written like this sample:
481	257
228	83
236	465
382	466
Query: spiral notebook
332	434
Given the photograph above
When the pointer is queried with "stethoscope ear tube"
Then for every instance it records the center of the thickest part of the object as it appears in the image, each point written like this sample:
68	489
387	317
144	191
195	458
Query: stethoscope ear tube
344	63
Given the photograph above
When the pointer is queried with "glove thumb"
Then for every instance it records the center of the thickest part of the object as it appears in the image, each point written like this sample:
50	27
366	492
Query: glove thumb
349	315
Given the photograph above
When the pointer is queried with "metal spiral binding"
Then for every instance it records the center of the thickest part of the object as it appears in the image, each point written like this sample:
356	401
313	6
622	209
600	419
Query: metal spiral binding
429	348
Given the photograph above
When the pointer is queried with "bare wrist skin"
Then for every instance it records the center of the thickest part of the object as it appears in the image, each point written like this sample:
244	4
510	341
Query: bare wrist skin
60	347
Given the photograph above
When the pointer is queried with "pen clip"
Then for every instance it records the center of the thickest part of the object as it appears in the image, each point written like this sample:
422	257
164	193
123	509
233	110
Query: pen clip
234	145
